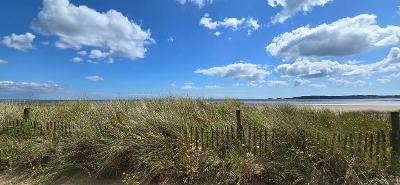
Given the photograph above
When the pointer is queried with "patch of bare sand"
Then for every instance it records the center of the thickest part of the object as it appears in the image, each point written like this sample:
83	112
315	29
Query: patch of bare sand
77	179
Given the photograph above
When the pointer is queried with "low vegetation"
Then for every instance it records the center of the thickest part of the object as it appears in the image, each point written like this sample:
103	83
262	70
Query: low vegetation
144	142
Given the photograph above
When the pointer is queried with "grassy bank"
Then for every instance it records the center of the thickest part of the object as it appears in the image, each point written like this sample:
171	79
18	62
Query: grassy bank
144	142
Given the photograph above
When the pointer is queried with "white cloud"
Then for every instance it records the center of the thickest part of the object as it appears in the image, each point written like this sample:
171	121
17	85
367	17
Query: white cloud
318	85
299	81
171	39
3	62
383	80
346	36
344	82
340	82
314	68
94	78
199	3
29	86
82	53
188	86
12	89
253	24
49	85
394	75
92	62
291	7
307	68
233	23
108	31
21	42
207	22
276	83
217	33
212	87
252	73
95	53
77	60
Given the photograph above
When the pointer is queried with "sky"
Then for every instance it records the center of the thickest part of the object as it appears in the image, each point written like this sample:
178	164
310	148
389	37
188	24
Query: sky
103	49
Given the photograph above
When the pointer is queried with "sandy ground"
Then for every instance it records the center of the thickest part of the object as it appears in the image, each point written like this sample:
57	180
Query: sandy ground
350	108
78	179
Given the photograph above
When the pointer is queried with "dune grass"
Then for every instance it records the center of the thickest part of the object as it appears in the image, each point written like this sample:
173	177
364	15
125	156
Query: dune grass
143	142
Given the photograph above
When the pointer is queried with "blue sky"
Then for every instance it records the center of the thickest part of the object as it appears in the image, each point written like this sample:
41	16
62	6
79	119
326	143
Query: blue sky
60	49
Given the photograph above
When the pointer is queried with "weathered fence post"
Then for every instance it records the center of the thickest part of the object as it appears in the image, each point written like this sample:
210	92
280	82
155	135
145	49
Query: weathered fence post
395	142
239	126
27	114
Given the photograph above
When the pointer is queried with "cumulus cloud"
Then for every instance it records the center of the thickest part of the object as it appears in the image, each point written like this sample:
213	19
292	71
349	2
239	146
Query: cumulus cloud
252	73
306	68
291	7
3	62
199	3
346	36
314	68
21	42
94	78
12	89
277	83
233	23
49	85
253	25
108	31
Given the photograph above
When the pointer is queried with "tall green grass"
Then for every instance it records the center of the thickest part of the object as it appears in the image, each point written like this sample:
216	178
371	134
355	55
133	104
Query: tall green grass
144	142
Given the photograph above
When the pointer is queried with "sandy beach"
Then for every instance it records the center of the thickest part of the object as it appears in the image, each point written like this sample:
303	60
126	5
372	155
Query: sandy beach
338	105
350	108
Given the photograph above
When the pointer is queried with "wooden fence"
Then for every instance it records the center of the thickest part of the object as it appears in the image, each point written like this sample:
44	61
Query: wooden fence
54	129
378	145
255	139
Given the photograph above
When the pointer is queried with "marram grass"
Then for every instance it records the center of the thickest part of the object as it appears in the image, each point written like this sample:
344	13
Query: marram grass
143	142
